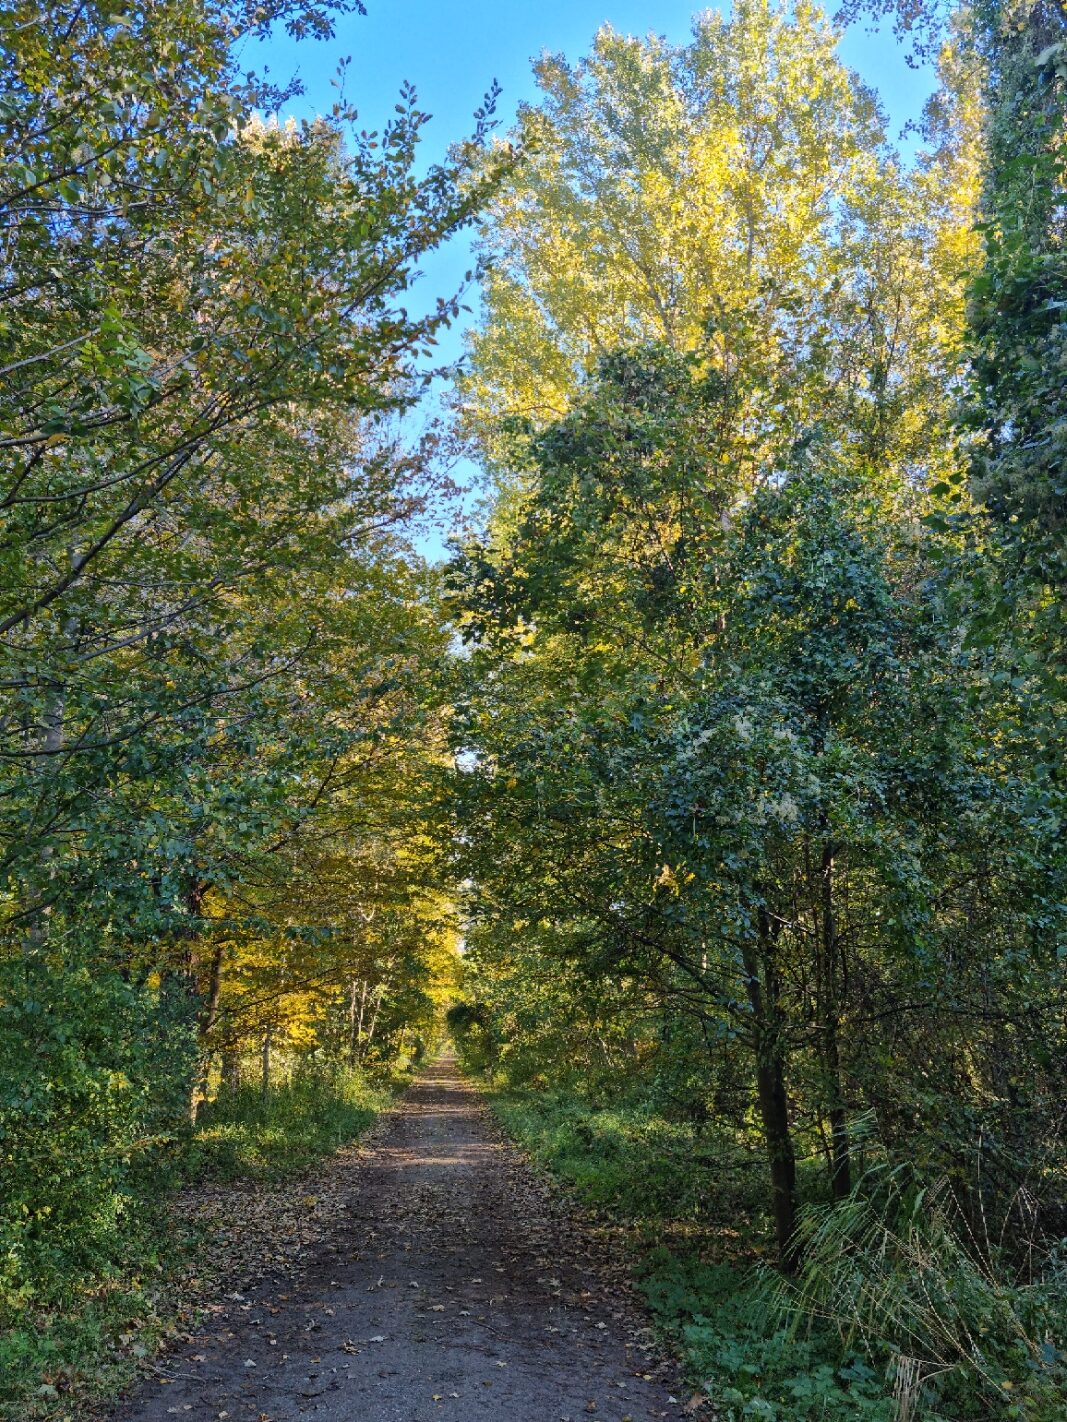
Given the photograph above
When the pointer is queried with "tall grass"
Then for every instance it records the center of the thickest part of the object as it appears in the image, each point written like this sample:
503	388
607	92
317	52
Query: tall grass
900	1271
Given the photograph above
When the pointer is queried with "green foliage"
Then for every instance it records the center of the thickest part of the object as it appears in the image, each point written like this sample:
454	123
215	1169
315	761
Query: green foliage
899	1310
466	1024
249	1134
50	1354
675	195
90	1115
624	1158
756	790
899	1270
760	788
750	1364
750	765
1019	298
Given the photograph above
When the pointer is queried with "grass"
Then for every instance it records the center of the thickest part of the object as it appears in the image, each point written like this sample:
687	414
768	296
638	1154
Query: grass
248	1135
58	1357
60	1354
627	1160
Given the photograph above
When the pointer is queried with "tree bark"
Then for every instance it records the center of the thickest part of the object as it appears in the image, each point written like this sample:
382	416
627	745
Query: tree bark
374	1018
265	1062
762	985
355	1022
830	1011
208	1017
840	1150
231	1067
774	1114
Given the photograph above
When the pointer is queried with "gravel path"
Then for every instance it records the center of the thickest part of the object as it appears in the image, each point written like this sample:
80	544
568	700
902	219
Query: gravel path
455	1287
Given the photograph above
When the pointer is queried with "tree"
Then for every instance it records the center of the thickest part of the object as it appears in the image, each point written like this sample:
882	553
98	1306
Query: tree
736	755
737	196
1014	413
211	618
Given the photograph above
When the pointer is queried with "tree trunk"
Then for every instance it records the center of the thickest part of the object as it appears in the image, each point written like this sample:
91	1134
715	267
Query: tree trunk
231	1067
840	1150
51	745
265	1062
374	1018
355	1022
763	995
774	1114
209	1016
830	1012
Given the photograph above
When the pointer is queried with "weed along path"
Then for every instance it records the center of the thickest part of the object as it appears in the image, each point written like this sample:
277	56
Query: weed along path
454	1286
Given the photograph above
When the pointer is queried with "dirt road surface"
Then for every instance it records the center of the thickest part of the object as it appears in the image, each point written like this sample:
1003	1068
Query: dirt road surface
454	1287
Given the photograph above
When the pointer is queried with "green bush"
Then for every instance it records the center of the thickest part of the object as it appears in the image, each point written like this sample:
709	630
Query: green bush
92	1099
94	1074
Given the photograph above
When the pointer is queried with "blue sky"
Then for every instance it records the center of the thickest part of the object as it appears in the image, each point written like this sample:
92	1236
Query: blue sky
452	52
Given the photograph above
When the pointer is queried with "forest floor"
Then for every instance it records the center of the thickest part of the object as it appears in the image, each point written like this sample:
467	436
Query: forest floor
453	1283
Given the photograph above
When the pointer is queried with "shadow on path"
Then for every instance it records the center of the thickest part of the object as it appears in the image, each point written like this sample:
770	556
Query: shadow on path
456	1288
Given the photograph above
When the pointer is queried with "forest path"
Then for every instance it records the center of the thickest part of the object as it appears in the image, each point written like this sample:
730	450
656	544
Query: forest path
456	1287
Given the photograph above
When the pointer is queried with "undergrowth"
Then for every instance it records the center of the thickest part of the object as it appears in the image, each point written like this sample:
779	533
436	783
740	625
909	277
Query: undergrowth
669	1181
746	1356
81	1338
628	1159
246	1134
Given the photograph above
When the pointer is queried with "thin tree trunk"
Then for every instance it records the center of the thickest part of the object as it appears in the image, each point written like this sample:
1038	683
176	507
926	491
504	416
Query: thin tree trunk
51	744
357	1029
774	1114
841	1153
231	1067
352	1019
208	1018
841	1161
763	994
374	1018
265	1062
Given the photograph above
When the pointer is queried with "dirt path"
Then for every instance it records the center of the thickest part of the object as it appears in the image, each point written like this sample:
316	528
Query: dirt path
456	1288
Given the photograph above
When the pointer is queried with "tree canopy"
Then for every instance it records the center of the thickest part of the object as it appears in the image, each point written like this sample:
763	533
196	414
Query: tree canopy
715	783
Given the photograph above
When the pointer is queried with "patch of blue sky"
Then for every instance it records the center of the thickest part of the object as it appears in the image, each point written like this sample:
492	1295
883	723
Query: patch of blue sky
452	53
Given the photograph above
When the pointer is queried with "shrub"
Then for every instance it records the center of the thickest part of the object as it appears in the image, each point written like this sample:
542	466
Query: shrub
93	1083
